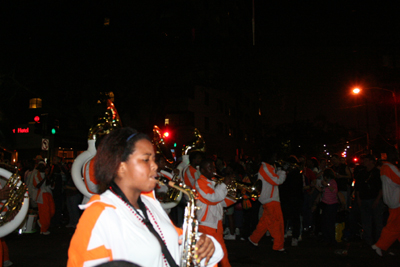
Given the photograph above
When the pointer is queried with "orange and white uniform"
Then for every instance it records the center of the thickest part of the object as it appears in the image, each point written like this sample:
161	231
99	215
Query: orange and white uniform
190	175
212	200
44	199
390	176
109	229
91	183
272	218
163	188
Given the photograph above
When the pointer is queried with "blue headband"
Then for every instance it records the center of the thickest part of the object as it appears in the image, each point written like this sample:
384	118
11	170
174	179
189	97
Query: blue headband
130	137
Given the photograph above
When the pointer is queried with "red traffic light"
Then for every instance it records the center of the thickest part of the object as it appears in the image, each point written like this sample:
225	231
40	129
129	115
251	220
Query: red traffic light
166	134
355	159
36	119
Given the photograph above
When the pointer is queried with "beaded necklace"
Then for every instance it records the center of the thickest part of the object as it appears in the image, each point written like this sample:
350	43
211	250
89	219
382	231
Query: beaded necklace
144	220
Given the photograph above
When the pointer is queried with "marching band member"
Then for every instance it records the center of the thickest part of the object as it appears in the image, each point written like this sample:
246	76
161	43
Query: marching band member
44	199
212	200
272	218
126	222
191	173
390	176
161	190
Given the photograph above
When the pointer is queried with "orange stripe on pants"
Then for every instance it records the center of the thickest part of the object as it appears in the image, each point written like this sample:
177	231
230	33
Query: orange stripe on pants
271	220
4	256
391	231
218	234
46	211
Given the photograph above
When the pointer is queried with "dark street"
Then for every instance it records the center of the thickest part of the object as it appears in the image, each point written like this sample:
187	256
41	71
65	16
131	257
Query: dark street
32	250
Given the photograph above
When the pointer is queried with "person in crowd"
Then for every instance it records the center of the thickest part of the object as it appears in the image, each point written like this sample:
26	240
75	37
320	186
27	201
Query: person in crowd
220	166
272	218
191	173
291	197
126	221
316	210
29	182
390	177
73	199
55	179
212	198
368	193
232	170
329	203
354	227
251	206
343	177
161	190
44	198
310	177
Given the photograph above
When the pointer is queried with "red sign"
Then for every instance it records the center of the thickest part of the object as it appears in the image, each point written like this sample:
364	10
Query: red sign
21	130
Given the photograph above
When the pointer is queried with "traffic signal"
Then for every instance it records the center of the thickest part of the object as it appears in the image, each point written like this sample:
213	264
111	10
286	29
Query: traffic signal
54	127
355	159
166	134
38	125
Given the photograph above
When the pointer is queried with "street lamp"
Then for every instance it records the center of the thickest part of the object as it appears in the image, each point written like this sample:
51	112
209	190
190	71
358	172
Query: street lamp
358	90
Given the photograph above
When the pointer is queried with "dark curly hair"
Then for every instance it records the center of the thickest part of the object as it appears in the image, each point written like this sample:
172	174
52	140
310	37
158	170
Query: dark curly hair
329	173
114	149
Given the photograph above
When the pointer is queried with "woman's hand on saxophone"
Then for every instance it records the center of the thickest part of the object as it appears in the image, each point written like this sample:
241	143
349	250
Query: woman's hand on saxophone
204	248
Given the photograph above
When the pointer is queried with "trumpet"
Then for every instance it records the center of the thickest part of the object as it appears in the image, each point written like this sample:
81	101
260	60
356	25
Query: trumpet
285	165
235	188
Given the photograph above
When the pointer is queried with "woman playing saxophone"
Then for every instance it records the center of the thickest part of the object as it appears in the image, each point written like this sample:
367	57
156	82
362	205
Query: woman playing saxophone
126	222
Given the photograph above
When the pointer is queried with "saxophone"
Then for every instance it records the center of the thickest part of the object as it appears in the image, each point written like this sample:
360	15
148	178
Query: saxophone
190	224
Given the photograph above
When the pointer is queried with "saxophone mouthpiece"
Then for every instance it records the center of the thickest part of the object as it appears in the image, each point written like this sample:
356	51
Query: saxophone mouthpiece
165	181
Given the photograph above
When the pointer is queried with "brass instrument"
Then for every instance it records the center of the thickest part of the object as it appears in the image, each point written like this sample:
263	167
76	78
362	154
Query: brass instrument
161	146
290	166
197	144
15	208
190	225
235	188
109	122
173	196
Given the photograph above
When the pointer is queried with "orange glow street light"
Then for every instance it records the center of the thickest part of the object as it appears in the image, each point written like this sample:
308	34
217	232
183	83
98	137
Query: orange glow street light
358	90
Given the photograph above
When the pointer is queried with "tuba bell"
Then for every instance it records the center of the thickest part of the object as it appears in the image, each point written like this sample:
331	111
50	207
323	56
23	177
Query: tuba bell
82	168
17	202
197	143
173	196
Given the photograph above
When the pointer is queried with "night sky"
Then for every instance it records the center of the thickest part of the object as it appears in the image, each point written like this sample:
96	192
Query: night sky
307	53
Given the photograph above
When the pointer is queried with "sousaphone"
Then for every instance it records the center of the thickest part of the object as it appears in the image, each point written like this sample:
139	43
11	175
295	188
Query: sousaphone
82	170
17	202
173	196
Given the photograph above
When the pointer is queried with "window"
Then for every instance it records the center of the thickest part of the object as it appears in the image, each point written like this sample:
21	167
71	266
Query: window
35	103
166	122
